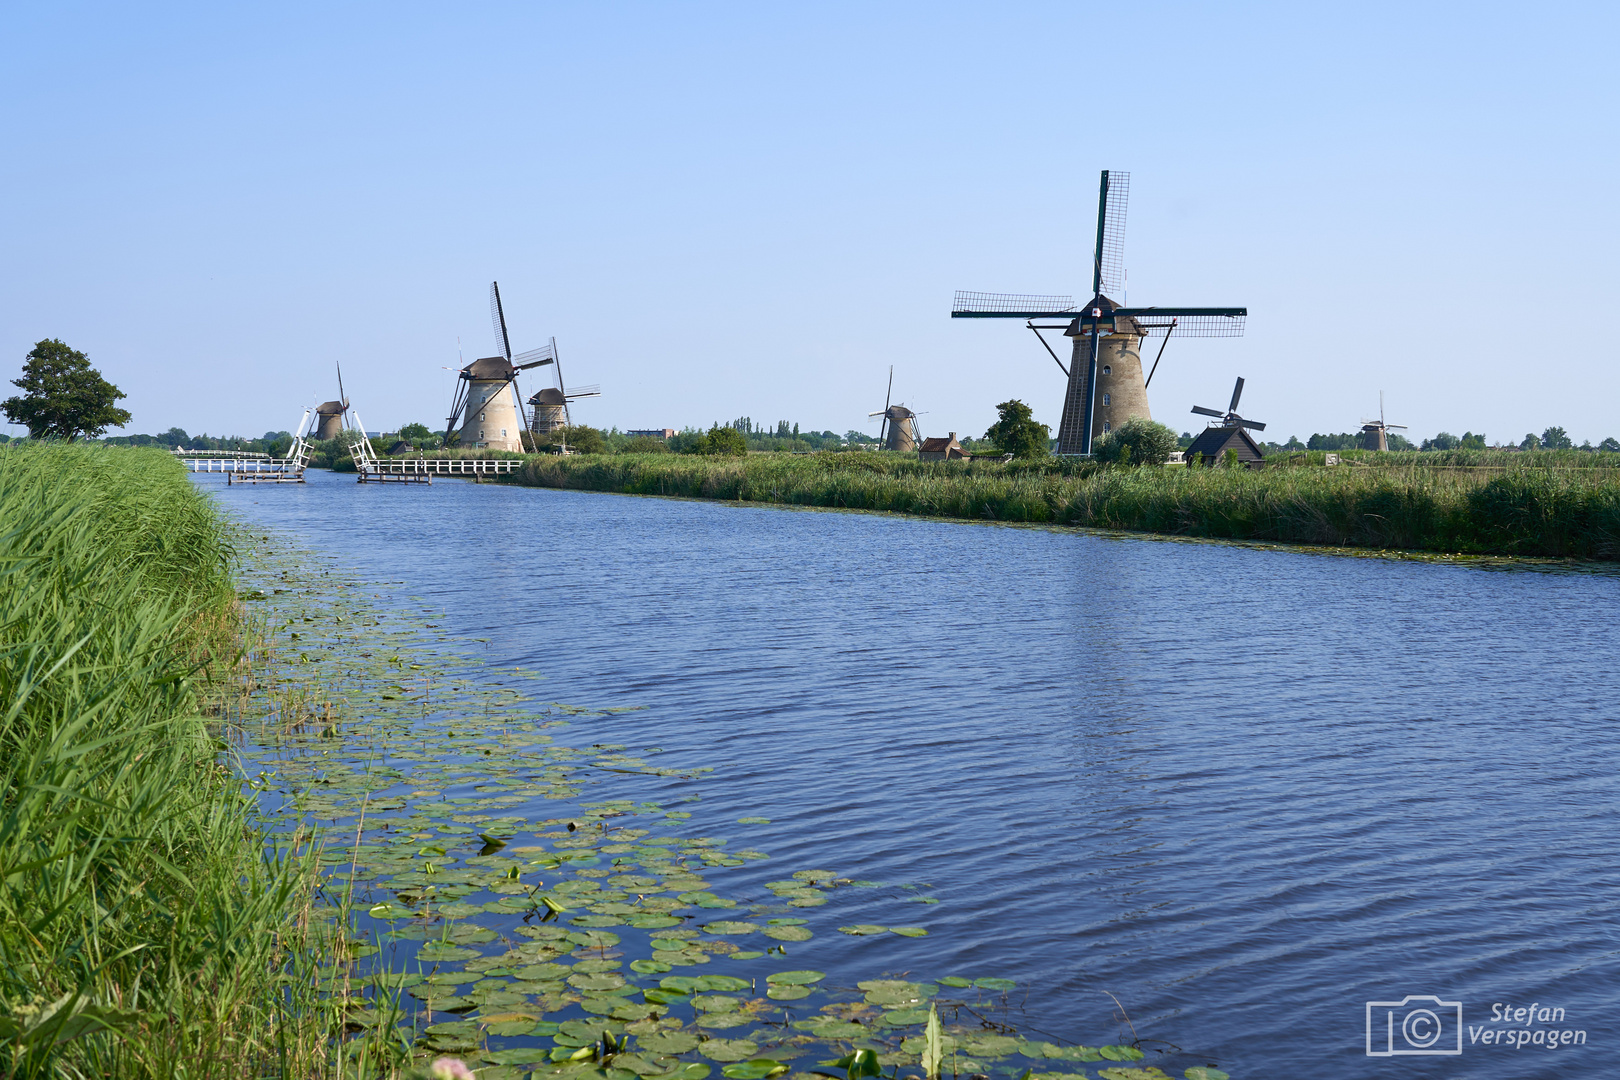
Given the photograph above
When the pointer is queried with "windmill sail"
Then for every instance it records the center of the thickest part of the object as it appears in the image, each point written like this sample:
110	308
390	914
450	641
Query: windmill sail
1108	275
502	343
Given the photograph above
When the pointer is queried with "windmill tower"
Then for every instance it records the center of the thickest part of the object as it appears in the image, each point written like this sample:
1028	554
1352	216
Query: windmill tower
1105	383
898	431
485	401
329	414
549	407
1229	431
1375	433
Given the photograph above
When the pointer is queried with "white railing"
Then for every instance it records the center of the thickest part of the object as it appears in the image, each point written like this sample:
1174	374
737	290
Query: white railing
420	469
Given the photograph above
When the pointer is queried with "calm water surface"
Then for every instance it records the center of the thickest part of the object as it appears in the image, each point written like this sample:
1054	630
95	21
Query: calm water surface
1243	791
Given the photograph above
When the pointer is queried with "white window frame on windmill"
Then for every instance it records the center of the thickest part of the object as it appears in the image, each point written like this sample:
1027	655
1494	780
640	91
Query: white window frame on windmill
1107	400
1108	369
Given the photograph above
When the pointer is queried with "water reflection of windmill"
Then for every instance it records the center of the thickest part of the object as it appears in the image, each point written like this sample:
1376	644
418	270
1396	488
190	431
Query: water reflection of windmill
330	415
1106	387
1375	433
898	431
486	399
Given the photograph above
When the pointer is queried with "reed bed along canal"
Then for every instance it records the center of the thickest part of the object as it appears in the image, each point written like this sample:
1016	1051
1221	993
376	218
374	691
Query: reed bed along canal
1110	805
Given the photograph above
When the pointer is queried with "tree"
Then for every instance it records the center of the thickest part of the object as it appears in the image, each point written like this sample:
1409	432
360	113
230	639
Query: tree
1529	442
724	442
1611	444
1470	441
1017	433
63	396
1556	438
581	439
1137	442
1443	441
416	434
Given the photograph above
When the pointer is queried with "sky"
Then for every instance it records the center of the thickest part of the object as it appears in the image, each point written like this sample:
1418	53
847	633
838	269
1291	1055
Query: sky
724	210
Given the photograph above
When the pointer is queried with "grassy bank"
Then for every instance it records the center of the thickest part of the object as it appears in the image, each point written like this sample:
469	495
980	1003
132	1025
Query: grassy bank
1538	505
143	929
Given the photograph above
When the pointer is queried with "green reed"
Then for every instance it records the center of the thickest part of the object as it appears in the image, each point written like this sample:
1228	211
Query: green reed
1537	504
145	928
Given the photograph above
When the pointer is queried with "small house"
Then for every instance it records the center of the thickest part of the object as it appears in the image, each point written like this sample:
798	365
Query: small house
1213	443
946	449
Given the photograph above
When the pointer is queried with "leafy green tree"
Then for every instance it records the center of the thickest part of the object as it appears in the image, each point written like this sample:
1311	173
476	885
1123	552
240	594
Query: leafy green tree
1470	441
724	442
1556	438
581	439
1529	442
1610	444
62	396
1137	442
646	444
1017	433
416	434
1443	441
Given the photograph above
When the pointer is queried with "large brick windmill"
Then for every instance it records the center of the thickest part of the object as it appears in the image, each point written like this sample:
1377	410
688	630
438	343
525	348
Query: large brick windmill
1106	386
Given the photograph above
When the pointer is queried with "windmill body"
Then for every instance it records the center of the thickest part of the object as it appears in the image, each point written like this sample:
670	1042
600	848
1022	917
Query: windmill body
1105	382
900	428
330	415
492	418
1375	433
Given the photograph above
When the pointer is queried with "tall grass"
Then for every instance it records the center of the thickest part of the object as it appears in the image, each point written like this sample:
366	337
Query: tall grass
144	926
1539	506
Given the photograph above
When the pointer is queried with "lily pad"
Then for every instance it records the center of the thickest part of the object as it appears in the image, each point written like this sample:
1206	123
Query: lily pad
668	1042
1149	1073
782	992
721	982
731	926
991	1046
1121	1053
755	1069
956	981
728	1049
1205	1072
788	933
786	922
994	984
715	1003
522	1055
752	821
908	931
863	930
648	967
694	1070
796	978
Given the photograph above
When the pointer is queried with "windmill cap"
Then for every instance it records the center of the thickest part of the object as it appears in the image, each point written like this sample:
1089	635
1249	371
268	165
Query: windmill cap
489	367
329	408
899	412
549	396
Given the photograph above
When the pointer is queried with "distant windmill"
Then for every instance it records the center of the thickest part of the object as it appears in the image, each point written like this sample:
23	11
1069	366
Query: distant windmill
330	414
484	402
898	431
1099	400
1375	433
1225	433
550	406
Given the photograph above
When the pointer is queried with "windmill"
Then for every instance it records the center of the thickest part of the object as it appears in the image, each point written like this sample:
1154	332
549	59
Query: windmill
550	406
484	401
1229	431
330	414
1375	433
899	423
1105	387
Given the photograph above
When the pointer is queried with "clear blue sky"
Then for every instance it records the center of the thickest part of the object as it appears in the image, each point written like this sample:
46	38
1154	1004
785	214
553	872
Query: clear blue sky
754	209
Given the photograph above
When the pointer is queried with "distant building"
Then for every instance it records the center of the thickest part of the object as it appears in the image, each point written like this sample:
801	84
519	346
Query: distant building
947	449
652	433
1213	443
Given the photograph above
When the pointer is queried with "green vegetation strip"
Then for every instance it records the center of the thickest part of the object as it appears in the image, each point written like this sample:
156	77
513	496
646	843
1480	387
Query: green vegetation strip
1540	504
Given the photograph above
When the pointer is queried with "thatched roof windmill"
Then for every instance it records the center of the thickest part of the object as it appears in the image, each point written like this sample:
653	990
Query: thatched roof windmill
485	402
329	414
898	430
1229	432
1375	433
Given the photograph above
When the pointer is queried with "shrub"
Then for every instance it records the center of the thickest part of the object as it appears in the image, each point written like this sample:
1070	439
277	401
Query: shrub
1138	441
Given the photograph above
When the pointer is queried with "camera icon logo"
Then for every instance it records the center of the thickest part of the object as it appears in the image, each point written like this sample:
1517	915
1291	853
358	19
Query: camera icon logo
1416	1024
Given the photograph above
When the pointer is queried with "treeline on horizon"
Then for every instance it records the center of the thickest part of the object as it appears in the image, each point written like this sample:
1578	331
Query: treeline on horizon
788	437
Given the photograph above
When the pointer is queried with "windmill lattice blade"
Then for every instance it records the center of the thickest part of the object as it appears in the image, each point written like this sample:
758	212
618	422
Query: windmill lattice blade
1110	275
880	412
532	356
1190	325
502	343
1396	427
1252	424
1007	303
1201	411
590	390
1237	392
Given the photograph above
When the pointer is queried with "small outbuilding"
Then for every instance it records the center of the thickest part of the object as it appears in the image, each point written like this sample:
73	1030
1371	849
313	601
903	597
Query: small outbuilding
947	449
1213	443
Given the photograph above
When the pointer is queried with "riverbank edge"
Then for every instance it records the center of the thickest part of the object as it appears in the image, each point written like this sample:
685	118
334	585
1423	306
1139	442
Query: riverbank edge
147	928
1547	513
